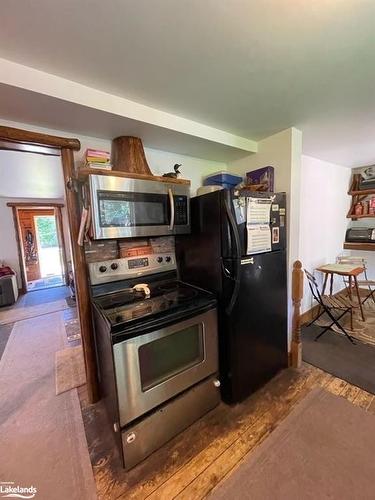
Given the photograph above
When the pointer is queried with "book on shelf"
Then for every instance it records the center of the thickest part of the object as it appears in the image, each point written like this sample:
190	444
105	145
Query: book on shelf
97	153
97	160
102	165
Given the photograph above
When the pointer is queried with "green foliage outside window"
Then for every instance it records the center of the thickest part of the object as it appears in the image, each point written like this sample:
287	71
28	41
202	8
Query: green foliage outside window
47	232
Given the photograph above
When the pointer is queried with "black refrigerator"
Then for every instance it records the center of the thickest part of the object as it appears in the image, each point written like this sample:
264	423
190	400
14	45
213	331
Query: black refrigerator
245	265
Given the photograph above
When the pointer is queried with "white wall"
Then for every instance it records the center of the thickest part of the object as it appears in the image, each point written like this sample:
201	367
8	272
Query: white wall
8	242
283	152
323	222
30	175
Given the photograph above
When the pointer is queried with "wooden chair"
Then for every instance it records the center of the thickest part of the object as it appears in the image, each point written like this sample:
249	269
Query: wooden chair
359	261
329	304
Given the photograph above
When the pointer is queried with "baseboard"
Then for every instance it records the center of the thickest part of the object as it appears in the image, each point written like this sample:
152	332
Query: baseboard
307	316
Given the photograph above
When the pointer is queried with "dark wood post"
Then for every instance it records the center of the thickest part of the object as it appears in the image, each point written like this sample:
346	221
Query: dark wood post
297	295
80	276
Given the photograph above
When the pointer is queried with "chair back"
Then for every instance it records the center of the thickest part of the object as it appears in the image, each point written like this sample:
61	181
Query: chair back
313	284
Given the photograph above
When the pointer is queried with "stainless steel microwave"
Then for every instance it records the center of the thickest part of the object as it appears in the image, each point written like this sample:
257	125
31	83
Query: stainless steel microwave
126	208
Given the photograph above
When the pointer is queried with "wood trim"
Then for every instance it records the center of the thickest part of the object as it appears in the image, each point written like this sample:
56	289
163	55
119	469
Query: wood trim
297	295
29	148
369	247
80	276
26	137
308	315
60	230
83	173
34	205
20	251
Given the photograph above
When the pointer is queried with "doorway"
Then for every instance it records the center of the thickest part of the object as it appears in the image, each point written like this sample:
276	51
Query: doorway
42	249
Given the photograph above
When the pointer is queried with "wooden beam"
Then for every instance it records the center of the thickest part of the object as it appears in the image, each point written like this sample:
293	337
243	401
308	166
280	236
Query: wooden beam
23	288
297	295
60	232
80	276
26	137
34	205
29	148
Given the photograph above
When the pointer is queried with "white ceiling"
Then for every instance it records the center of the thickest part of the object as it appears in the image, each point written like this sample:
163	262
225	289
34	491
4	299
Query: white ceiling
251	68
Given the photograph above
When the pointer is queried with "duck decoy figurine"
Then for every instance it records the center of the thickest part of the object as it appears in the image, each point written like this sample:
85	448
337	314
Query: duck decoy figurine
176	172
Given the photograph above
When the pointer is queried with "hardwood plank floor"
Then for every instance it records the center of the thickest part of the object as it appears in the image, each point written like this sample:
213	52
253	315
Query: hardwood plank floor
194	462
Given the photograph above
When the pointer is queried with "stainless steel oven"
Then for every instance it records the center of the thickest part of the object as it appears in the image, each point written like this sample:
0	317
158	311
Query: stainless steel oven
153	368
123	208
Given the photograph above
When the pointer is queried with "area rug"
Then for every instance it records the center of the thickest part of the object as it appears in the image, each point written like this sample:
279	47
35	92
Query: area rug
334	354
322	450
73	330
5	331
362	330
71	302
42	437
70	369
15	313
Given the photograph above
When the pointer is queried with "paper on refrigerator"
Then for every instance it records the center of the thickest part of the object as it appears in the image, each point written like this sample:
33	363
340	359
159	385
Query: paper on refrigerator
258	210
258	238
258	225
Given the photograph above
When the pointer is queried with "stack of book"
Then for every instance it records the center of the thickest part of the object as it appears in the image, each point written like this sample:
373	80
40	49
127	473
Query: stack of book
98	159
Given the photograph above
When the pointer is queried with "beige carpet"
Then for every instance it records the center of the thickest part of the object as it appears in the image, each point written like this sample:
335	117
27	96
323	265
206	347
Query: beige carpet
70	369
322	450
42	438
19	313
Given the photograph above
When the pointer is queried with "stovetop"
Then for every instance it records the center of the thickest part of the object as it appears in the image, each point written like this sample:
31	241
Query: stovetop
127	307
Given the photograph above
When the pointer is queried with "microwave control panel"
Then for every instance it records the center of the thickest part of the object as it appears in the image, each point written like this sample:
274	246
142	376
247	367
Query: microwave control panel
180	207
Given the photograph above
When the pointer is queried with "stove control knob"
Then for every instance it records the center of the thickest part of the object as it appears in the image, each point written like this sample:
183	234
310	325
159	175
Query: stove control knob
168	259
114	266
160	259
102	269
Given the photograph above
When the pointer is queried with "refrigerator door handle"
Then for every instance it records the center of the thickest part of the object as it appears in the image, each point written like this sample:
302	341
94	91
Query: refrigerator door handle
226	272
237	267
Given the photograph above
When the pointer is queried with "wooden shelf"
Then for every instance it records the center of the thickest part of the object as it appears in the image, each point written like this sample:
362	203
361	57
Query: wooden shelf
364	192
83	173
360	246
365	216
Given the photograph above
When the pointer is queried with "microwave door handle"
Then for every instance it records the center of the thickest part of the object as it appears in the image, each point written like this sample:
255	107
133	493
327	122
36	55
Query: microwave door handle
171	203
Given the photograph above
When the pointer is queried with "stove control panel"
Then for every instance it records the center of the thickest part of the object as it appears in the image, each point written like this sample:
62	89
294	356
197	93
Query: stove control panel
131	267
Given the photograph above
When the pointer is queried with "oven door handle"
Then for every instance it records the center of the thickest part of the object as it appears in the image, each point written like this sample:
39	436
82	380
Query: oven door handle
171	203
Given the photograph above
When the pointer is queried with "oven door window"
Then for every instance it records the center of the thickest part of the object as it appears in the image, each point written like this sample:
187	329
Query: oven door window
164	358
119	209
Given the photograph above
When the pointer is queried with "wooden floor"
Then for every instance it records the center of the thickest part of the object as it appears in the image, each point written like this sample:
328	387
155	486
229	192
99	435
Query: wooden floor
193	463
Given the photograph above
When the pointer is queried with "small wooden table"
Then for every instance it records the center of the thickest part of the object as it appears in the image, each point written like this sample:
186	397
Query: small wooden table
348	270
